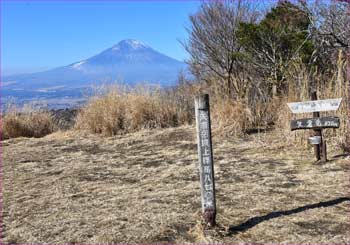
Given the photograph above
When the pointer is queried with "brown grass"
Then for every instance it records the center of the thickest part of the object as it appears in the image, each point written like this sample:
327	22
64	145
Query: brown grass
144	188
124	110
231	118
120	112
26	124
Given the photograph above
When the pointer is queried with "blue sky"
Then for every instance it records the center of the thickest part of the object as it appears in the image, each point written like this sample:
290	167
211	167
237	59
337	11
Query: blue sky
38	35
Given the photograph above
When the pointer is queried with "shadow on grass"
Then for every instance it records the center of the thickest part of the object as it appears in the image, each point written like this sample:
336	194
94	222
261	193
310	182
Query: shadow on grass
251	131
341	155
257	220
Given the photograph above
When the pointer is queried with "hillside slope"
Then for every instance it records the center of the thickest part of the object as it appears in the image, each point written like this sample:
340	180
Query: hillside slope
144	188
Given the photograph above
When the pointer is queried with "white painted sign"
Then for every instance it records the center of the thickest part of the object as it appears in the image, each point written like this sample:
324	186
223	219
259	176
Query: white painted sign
315	105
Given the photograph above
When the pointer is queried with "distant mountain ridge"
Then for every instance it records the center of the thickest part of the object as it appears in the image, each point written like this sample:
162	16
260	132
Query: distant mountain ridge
130	61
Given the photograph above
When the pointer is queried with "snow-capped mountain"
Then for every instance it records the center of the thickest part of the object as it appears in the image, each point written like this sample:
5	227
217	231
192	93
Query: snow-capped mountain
130	61
134	61
126	53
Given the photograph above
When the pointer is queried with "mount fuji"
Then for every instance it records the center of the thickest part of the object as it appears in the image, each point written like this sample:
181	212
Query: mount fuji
130	61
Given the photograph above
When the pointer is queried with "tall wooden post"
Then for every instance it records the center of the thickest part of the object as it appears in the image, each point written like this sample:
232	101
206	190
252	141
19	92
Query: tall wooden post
205	155
316	132
320	149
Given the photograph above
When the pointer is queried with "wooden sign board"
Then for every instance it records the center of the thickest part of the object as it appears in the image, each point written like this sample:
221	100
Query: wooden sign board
315	123
315	106
205	155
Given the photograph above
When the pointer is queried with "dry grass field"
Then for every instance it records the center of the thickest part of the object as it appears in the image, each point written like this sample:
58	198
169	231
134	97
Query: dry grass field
71	187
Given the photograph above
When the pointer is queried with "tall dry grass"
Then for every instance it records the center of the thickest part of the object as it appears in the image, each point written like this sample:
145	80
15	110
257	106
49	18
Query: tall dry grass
230	118
26	122
123	110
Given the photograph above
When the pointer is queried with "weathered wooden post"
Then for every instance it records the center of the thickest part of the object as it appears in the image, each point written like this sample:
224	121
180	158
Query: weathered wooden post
205	155
317	132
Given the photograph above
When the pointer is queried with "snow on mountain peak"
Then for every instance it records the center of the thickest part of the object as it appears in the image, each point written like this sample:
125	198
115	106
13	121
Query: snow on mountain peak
129	44
78	64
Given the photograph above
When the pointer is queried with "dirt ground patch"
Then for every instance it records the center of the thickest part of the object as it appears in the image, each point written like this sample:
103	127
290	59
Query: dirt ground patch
144	188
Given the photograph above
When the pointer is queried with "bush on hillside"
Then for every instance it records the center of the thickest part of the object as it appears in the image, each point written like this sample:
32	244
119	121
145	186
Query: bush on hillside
34	124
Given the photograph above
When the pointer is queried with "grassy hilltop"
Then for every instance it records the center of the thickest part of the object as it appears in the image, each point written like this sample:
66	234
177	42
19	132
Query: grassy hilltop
144	188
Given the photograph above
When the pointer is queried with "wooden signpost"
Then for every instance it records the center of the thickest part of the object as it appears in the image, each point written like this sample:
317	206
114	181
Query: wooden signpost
316	123
205	155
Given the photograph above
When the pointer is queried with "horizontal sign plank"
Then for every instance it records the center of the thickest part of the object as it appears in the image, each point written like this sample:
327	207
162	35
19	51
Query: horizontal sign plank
315	123
315	105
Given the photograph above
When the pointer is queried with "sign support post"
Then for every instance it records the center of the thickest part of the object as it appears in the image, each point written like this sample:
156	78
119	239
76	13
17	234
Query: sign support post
205	155
317	132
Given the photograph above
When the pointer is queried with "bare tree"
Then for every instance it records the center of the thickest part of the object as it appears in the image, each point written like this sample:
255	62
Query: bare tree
331	32
330	27
214	48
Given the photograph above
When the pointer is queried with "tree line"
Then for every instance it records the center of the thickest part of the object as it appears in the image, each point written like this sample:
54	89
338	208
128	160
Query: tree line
244	51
